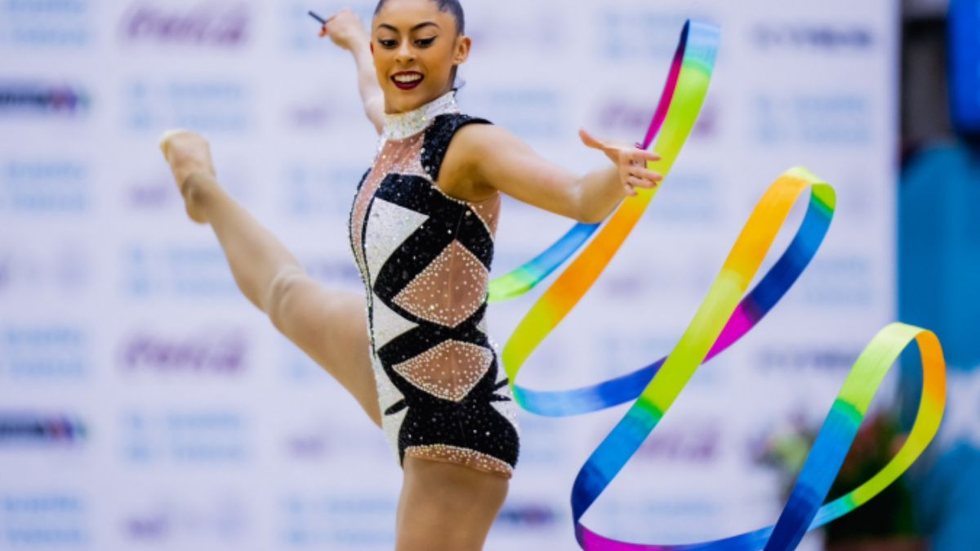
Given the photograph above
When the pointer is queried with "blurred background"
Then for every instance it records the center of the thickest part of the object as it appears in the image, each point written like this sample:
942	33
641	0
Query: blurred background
144	404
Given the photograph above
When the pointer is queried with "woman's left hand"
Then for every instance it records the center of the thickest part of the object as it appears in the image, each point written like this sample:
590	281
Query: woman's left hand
631	163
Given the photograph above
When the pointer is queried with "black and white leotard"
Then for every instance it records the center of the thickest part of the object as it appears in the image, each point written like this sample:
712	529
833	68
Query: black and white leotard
425	260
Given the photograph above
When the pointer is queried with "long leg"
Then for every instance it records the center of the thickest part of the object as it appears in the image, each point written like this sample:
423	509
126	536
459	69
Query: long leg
330	326
447	507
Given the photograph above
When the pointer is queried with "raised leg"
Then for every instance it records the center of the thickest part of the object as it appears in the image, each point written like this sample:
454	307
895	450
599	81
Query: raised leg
330	326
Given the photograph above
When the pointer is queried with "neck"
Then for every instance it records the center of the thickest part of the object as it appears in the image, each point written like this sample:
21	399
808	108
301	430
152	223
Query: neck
402	125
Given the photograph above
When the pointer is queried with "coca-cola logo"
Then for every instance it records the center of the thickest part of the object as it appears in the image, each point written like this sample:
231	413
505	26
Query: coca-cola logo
207	354
206	24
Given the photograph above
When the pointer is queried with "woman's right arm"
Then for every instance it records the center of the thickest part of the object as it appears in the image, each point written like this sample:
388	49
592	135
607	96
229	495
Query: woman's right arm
346	30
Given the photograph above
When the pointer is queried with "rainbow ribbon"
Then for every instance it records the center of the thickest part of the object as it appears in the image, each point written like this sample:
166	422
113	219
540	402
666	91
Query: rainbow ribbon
726	314
676	113
696	51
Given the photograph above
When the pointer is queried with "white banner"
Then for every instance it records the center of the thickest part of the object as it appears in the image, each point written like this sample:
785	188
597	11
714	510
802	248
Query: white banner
144	404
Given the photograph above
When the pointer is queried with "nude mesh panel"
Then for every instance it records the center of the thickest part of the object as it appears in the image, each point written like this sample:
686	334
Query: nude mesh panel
449	370
449	290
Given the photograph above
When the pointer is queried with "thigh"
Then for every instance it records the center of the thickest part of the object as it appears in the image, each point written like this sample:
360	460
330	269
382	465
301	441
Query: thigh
447	507
331	327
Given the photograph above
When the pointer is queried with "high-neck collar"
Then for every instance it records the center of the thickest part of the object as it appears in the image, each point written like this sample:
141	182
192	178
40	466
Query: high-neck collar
402	125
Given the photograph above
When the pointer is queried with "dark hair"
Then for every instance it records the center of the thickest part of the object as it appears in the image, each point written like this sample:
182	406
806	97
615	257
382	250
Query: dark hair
452	7
449	6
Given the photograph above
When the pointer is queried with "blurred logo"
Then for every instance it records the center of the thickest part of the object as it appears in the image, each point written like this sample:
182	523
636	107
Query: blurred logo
323	438
639	34
318	190
63	268
50	23
210	438
528	515
206	353
805	358
839	119
151	194
44	353
696	442
338	520
177	271
28	428
840	282
36	98
624	118
189	525
312	444
813	36
532	113
224	24
312	115
213	105
539	30
45	186
44	521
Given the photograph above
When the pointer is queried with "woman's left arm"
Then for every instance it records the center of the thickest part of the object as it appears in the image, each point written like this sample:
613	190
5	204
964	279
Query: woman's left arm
496	159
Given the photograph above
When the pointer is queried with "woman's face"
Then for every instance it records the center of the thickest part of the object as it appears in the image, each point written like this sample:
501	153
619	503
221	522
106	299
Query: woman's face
415	48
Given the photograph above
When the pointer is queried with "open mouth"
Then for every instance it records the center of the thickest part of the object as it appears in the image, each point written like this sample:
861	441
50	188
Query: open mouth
407	80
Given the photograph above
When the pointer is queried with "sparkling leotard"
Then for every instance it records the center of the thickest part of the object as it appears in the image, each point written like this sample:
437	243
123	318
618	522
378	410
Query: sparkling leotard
425	260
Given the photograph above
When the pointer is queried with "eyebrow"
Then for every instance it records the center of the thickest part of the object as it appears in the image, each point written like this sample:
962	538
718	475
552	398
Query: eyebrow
415	28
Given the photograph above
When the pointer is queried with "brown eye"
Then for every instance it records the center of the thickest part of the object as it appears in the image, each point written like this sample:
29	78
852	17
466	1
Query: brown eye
425	42
387	44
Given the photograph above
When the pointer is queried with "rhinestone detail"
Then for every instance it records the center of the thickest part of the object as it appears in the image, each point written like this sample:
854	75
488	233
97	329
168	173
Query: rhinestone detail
399	126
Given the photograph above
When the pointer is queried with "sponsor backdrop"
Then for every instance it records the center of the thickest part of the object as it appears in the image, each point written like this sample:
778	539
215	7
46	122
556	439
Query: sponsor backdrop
144	404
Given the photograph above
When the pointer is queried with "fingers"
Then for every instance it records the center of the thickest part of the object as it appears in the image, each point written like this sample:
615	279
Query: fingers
591	141
635	182
640	156
645	174
325	28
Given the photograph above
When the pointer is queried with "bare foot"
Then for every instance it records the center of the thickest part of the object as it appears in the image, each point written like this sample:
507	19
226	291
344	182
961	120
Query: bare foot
189	156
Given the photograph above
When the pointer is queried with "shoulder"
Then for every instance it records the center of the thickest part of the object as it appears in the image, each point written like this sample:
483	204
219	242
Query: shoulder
457	147
478	141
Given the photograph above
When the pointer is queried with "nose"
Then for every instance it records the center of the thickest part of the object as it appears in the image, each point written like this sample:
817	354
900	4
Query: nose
405	53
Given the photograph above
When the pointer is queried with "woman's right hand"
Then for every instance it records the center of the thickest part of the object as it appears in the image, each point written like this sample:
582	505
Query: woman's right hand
345	30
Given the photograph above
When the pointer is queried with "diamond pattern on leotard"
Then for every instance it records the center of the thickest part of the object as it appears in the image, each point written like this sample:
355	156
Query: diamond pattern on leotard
449	289
449	370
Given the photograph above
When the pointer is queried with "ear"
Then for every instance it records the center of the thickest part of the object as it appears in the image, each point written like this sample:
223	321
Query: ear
462	53
371	44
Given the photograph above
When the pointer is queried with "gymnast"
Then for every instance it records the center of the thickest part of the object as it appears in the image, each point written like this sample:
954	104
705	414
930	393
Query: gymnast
413	349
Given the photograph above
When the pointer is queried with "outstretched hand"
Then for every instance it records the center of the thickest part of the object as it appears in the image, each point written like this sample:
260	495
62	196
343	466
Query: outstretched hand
630	161
345	29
